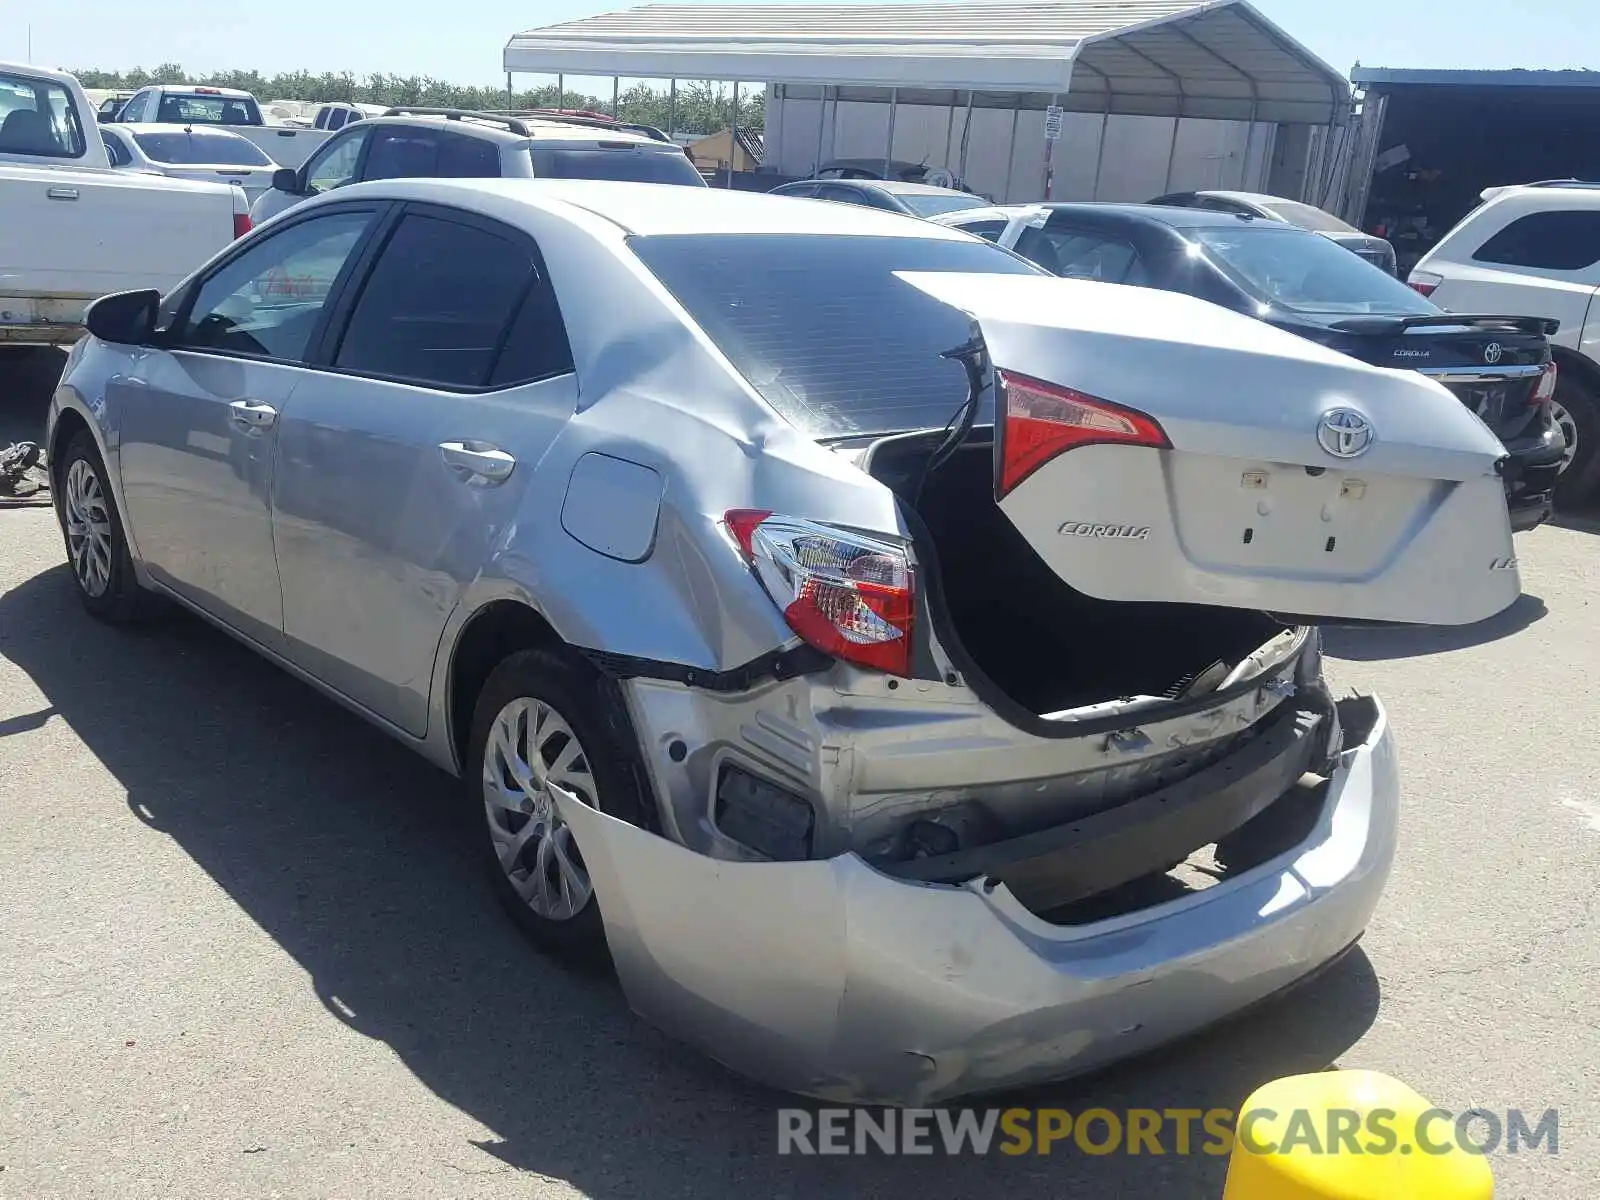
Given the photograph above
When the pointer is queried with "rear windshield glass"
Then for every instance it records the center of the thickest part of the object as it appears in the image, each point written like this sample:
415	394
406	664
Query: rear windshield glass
1305	272
926	205
641	165
201	149
1307	217
38	117
202	109
823	330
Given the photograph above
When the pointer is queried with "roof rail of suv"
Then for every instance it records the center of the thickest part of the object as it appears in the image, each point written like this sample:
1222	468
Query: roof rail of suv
462	114
1564	183
567	117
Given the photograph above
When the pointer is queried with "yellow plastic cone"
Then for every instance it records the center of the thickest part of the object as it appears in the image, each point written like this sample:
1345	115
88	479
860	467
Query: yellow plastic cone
1349	1135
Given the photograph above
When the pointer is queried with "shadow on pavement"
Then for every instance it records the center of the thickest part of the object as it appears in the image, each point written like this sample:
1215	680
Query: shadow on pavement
1412	641
358	860
27	377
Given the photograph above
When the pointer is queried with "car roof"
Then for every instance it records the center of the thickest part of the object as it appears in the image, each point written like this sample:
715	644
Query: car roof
494	128
204	89
655	209
899	187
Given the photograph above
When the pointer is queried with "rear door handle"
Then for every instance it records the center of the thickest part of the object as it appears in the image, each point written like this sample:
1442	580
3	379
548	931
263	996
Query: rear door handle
477	463
252	414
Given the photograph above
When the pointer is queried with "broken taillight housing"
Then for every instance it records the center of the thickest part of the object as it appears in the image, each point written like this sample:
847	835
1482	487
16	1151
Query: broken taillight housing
1043	420
1545	391
845	593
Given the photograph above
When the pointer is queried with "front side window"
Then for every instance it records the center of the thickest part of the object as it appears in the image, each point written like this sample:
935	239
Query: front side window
1564	240
266	303
822	328
437	303
133	110
336	165
37	117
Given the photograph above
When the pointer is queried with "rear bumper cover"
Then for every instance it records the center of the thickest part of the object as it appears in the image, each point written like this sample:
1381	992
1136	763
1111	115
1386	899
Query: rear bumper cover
834	980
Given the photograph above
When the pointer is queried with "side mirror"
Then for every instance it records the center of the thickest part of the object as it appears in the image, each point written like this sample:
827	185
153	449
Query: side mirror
285	179
124	318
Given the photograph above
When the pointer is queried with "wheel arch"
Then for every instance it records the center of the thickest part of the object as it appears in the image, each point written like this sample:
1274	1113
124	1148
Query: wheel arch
1578	364
490	635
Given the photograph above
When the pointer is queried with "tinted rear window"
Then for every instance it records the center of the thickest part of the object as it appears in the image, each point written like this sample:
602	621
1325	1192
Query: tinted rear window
201	149
1305	272
205	109
625	162
820	326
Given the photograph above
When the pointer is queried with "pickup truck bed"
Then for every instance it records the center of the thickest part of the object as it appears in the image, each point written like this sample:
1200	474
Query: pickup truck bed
69	236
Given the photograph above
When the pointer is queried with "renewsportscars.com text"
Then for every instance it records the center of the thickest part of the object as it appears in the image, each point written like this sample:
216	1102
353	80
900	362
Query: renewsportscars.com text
1174	1131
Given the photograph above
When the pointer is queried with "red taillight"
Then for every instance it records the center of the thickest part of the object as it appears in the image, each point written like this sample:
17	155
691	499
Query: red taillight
1545	392
241	224
848	595
1043	420
1423	283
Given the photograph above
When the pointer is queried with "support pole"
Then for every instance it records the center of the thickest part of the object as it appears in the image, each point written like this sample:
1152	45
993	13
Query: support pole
561	90
733	135
1050	154
822	116
1011	148
966	141
672	107
616	98
888	146
1172	151
510	103
1100	150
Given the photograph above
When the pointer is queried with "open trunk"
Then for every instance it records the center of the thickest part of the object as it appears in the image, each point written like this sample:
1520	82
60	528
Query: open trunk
1045	645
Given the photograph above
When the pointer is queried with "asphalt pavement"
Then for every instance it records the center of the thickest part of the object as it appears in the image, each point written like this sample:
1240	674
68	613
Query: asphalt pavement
245	951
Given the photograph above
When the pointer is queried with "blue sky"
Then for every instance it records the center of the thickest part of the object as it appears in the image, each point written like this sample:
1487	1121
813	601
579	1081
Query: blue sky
461	43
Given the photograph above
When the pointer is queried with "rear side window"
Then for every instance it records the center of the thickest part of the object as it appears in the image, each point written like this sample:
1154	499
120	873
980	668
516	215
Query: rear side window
621	160
1566	240
462	157
823	330
1083	255
435	307
402	152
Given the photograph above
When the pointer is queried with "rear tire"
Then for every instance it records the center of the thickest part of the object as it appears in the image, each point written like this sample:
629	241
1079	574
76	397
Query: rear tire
546	715
1578	412
91	527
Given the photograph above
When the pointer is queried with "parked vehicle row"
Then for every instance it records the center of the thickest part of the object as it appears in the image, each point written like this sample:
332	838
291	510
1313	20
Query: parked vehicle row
236	110
191	152
840	621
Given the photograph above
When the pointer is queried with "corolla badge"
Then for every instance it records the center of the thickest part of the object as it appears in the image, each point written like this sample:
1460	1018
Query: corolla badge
1344	433
1492	353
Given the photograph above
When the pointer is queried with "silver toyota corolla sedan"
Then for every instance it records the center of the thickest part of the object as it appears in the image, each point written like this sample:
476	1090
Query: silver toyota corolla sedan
902	662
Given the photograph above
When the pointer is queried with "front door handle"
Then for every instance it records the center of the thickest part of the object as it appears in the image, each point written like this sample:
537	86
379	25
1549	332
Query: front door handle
477	463
252	414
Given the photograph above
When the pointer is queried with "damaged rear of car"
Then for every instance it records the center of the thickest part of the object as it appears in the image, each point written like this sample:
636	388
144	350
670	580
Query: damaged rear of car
1048	772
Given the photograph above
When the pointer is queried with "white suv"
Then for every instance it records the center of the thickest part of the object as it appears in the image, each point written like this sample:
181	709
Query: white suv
447	143
1534	250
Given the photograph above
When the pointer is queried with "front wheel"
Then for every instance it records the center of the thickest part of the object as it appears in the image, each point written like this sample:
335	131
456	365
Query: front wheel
1576	412
97	547
546	717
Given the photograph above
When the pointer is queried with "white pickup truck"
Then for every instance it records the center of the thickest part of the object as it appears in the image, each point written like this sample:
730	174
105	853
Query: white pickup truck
72	229
192	104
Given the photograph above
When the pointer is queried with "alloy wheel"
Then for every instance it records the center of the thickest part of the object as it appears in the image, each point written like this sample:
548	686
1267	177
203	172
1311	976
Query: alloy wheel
1569	431
531	746
88	528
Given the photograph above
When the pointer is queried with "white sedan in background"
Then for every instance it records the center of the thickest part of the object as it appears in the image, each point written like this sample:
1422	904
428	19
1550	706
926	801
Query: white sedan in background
191	152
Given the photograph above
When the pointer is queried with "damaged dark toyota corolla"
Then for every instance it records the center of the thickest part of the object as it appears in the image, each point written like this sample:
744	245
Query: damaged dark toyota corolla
863	637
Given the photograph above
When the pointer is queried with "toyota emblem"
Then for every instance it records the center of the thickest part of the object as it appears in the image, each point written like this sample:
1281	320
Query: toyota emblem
1344	433
1492	353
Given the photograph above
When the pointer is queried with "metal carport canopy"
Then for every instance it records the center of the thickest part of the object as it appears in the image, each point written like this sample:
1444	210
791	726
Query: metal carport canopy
1164	58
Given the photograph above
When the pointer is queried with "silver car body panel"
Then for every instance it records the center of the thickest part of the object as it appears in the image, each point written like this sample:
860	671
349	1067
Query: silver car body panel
833	980
609	528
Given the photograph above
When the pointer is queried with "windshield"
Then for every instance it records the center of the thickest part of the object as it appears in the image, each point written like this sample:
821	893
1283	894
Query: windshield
203	109
1305	272
1307	217
823	330
211	149
622	161
930	205
38	117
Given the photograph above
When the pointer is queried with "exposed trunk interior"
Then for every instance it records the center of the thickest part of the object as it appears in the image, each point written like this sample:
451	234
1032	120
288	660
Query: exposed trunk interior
1044	644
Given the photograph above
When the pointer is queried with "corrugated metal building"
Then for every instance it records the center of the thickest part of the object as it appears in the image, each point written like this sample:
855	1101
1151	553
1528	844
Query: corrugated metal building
1156	95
